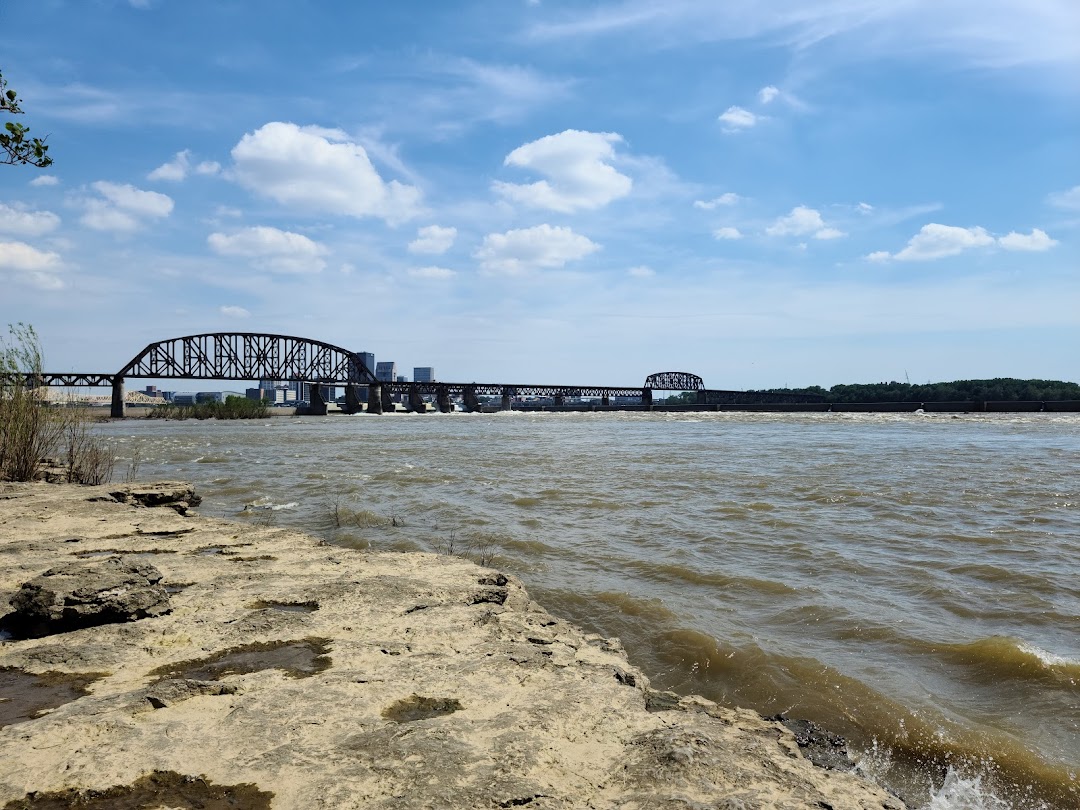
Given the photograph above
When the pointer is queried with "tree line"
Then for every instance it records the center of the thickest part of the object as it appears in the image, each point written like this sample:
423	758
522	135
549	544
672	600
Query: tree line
999	389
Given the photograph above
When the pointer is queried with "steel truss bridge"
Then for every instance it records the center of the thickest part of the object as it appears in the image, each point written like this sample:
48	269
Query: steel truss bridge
256	356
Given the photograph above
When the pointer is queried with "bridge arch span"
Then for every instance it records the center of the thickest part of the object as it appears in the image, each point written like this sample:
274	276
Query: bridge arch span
247	356
675	381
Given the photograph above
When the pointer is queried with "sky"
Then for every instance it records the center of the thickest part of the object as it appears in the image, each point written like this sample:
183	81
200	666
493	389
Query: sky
761	192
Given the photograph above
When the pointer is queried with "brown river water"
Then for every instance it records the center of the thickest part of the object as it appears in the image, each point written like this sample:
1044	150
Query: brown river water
910	581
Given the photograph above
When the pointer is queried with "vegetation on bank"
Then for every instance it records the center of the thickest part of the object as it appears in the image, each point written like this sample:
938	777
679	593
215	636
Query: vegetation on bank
1000	389
32	430
231	408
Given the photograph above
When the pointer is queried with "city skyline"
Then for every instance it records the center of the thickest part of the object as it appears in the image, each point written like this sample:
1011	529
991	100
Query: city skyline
772	195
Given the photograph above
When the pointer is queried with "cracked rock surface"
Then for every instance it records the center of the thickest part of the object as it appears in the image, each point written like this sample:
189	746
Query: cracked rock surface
312	676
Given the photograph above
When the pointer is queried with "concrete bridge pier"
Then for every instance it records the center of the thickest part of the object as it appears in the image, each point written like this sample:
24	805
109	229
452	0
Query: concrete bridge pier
442	397
646	397
505	404
559	400
316	403
117	411
470	400
416	402
387	400
375	398
352	399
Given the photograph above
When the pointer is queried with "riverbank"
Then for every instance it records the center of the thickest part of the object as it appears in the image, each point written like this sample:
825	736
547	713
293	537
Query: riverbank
290	673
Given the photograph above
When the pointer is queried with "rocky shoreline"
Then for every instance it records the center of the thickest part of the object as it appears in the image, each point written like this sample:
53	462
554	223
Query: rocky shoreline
256	667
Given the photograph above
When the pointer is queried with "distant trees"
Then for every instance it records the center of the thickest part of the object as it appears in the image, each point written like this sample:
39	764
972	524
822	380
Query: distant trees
18	148
1001	389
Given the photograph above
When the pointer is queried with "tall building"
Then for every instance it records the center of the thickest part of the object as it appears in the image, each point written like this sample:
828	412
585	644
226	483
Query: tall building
423	374
386	371
368	359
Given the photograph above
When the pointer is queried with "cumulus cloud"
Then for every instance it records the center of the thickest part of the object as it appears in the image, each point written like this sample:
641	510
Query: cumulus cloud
208	167
234	312
578	169
431	273
641	271
543	246
433	239
727	233
1036	241
175	170
879	256
1069	199
271	249
736	119
122	207
768	94
936	241
803	221
45	180
30	265
730	198
22	222
319	170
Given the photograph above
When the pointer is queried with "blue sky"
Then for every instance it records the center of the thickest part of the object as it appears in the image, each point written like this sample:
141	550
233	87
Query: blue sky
762	193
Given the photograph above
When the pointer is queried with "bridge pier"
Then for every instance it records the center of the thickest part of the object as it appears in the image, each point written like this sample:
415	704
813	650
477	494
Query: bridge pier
559	400
646	397
470	400
374	398
416	402
605	401
505	404
316	403
442	397
387	400
118	403
352	399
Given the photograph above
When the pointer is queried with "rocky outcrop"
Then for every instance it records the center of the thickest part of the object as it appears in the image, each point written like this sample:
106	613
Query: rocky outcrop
87	593
293	674
176	495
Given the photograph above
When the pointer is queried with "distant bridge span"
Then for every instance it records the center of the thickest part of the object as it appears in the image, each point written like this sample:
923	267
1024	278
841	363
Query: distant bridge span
258	356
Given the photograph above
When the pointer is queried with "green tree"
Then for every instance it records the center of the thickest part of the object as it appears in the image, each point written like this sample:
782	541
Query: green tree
19	148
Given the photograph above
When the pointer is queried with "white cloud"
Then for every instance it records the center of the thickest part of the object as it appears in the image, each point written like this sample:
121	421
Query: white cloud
30	265
234	312
175	170
879	256
736	119
1036	241
641	271
727	233
433	239
208	167
21	222
432	273
1069	200
768	94
45	180
578	171
935	241
122	207
271	249
730	198
803	221
519	251
319	170
864	208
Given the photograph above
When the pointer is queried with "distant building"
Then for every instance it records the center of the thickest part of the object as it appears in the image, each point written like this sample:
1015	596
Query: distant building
151	391
424	374
402	378
386	371
368	359
183	398
257	393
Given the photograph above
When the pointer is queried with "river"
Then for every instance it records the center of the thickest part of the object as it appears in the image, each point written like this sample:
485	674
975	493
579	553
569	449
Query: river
910	581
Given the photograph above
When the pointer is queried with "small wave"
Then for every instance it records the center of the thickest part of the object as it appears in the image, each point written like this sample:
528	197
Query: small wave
1000	657
960	793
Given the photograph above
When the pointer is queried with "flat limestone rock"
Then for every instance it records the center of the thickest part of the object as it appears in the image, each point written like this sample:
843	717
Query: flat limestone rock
87	593
406	681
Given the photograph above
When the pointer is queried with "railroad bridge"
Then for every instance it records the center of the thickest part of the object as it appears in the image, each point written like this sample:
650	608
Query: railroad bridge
256	356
